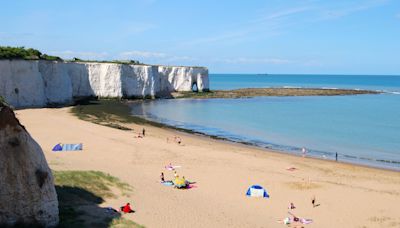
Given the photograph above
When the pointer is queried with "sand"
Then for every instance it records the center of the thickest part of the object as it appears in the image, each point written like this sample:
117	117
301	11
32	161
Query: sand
349	195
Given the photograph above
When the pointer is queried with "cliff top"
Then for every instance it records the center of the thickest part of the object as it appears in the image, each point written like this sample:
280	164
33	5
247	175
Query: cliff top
22	53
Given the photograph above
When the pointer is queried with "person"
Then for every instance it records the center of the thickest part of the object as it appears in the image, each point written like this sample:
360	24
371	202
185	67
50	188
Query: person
144	132
291	206
178	140
304	151
295	218
336	156
162	177
175	174
127	208
313	201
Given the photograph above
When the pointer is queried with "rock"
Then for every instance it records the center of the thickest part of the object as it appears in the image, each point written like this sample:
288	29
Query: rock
41	83
27	193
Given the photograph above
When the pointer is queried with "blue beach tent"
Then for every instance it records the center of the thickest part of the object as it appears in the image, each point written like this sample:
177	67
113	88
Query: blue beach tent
257	191
67	147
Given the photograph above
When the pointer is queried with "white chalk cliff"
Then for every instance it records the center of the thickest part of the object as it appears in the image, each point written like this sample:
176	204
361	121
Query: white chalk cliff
27	194
40	83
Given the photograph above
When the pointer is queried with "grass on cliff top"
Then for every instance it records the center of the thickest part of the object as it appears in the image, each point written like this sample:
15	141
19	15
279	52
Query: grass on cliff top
257	92
81	192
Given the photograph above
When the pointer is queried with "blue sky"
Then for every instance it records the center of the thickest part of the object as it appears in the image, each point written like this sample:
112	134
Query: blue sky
271	36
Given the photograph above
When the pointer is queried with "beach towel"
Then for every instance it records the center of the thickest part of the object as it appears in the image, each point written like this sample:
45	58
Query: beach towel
172	167
167	183
306	221
67	147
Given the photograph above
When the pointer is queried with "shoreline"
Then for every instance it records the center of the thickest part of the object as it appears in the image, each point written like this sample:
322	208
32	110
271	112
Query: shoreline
271	150
282	151
116	122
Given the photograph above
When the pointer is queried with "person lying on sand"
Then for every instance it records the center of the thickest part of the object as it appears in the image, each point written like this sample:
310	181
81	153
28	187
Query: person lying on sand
300	220
139	135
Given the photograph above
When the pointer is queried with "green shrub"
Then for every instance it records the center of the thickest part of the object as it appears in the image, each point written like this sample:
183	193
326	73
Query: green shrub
7	52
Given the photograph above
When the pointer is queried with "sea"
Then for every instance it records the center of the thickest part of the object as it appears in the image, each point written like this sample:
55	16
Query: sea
360	129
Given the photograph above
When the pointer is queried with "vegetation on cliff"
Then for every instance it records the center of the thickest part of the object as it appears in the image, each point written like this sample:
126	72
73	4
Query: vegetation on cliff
130	62
23	53
7	52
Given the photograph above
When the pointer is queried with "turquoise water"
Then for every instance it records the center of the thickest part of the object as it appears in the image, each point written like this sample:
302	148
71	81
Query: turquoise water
362	129
374	82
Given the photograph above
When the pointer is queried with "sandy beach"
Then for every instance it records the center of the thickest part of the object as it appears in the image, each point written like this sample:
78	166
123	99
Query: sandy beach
349	195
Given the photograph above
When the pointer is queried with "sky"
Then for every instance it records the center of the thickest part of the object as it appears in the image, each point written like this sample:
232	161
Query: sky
253	36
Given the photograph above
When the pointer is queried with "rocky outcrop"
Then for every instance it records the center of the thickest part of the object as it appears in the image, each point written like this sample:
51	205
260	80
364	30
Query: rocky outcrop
27	193
42	83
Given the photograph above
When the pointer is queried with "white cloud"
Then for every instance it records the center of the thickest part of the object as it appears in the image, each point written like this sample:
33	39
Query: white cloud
271	22
155	57
142	54
82	55
284	13
354	7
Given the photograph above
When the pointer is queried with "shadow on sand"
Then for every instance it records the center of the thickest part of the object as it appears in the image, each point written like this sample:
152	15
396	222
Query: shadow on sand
80	208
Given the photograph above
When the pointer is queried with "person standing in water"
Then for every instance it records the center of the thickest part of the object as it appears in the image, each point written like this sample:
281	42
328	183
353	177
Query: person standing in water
336	156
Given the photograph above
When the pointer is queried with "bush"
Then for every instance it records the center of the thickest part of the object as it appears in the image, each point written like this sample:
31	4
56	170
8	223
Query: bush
7	52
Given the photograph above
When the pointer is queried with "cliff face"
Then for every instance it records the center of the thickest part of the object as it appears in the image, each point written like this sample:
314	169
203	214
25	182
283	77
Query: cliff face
40	83
27	193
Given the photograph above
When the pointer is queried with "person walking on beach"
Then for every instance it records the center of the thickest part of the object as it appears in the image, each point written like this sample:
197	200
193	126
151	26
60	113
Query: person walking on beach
313	201
143	132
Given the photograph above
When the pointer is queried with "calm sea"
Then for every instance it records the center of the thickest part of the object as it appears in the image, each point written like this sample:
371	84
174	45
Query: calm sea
362	129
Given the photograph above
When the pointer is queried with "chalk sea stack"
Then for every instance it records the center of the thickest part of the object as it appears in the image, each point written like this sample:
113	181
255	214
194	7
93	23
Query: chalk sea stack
27	193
